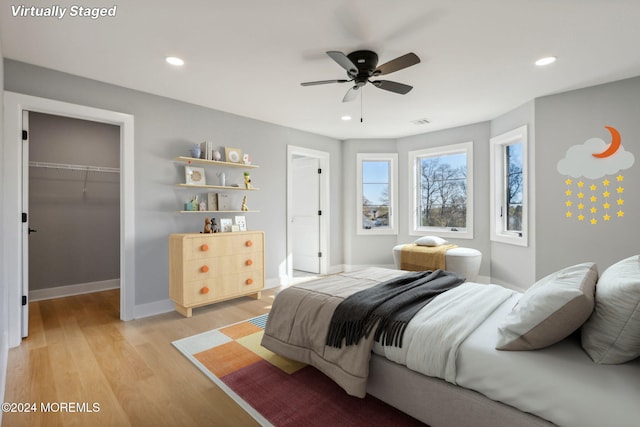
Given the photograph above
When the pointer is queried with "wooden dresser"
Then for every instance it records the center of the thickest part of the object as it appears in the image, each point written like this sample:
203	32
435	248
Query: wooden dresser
207	268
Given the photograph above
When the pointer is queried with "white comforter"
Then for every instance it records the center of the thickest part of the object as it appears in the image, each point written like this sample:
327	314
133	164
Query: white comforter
433	337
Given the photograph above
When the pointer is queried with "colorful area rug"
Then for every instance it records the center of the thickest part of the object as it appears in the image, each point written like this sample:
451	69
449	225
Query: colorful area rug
277	391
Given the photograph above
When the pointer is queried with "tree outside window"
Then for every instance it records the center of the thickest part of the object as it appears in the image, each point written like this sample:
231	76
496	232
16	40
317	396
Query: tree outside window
442	193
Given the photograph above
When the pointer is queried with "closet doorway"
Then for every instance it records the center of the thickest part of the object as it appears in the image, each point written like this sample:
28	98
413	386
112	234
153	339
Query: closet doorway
73	206
307	212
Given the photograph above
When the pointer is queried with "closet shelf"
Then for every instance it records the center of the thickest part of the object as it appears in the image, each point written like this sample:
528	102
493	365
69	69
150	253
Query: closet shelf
83	168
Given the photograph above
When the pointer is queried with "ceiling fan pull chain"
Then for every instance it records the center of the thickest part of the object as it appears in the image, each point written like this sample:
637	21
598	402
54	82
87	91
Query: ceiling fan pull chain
361	96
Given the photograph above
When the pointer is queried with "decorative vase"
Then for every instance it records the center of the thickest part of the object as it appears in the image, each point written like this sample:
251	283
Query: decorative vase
195	151
223	179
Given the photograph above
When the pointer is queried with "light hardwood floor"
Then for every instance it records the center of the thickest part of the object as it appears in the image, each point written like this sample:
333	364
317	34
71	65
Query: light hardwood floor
79	351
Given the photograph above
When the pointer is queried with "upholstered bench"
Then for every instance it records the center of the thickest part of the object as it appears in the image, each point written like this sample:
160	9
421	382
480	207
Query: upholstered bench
462	261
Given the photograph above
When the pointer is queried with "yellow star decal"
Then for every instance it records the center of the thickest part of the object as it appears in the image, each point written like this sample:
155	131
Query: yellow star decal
593	187
620	214
568	192
593	198
580	206
620	190
606	194
580	195
568	181
607	217
620	178
594	221
569	214
580	184
606	182
580	217
594	209
569	203
620	202
606	205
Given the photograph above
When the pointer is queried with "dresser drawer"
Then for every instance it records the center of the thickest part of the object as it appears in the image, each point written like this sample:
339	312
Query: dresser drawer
205	268
223	243
214	289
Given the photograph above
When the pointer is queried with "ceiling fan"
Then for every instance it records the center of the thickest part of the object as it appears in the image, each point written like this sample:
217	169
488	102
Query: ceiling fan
362	65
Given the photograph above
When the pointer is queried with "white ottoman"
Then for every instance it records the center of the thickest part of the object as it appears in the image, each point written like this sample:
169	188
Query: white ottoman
462	261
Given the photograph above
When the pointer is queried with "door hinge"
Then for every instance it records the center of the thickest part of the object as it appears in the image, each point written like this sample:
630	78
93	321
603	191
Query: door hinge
24	300
319	254
319	170
25	135
24	217
319	212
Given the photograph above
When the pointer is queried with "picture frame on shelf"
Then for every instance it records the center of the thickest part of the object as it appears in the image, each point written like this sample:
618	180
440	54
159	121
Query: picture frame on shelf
233	155
194	175
235	228
225	225
241	222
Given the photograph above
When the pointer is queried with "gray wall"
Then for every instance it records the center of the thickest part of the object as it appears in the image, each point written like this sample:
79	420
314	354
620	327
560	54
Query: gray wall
479	135
76	213
512	264
164	129
569	119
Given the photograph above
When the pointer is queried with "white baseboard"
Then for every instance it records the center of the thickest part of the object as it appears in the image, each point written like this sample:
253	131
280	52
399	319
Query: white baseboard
65	291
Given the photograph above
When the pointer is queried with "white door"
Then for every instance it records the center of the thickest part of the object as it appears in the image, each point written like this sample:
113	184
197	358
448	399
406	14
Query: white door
25	223
305	218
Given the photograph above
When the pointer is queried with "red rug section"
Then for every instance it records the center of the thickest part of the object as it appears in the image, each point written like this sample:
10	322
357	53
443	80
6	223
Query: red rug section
309	398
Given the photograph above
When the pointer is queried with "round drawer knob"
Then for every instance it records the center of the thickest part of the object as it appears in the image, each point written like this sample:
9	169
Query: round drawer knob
204	268
249	243
204	290
249	262
249	282
204	247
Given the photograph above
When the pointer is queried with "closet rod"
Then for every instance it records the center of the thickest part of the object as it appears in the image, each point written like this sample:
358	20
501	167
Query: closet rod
74	167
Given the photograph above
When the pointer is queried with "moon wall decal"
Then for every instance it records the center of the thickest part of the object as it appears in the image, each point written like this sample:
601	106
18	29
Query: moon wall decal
613	147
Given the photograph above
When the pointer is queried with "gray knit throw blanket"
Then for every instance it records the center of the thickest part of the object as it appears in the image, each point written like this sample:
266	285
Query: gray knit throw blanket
390	305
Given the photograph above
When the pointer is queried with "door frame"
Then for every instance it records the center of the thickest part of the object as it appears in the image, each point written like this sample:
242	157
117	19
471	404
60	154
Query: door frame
323	156
14	104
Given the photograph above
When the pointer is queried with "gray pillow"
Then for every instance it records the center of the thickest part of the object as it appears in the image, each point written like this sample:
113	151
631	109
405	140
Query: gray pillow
550	310
612	334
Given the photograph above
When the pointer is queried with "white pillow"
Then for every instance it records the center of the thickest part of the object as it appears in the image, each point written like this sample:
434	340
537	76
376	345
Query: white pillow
612	333
430	241
550	310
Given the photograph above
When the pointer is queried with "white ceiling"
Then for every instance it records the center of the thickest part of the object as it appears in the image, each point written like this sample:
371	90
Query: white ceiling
248	57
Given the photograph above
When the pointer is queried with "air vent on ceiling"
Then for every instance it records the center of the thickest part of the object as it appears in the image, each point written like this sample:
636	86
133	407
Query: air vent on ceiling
421	122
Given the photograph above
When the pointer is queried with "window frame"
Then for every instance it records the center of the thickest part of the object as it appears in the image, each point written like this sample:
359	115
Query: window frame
498	184
392	158
414	179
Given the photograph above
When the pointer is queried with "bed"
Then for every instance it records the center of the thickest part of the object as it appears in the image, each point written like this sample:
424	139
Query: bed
582	378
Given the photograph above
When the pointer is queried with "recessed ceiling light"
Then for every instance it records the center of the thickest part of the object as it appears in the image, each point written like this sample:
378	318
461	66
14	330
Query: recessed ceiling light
346	118
174	60
546	61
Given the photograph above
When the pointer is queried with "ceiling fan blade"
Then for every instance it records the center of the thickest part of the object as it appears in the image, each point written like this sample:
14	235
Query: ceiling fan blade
351	94
399	63
395	87
324	82
343	61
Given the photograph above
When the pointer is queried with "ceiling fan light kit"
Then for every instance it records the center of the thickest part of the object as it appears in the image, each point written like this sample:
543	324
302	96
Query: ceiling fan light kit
362	65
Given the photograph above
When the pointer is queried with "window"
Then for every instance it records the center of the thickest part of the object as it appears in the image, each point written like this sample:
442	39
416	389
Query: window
377	190
442	201
509	187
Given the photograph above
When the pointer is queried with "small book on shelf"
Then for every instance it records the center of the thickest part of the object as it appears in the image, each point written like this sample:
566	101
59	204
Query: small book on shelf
207	149
224	202
212	201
